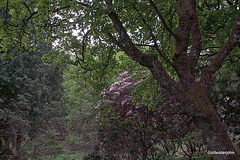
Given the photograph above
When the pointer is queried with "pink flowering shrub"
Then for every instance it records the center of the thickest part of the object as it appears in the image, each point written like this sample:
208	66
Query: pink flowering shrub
134	120
119	94
127	125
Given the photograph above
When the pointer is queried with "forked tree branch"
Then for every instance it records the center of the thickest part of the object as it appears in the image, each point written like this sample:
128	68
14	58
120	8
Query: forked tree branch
188	27
149	61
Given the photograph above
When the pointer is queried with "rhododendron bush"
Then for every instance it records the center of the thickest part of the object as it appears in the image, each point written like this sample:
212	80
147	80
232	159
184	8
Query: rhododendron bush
133	118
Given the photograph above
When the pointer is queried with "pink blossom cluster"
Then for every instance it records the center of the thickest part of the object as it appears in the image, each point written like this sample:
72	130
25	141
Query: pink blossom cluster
118	93
117	98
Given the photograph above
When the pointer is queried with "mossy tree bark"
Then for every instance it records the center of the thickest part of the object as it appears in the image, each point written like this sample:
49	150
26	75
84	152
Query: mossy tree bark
207	120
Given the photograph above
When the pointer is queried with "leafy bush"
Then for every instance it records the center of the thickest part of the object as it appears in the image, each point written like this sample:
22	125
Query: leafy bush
134	120
30	93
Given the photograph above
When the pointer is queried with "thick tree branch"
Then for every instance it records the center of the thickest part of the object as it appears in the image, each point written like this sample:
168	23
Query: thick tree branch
162	19
149	61
158	71
126	43
116	42
184	60
230	44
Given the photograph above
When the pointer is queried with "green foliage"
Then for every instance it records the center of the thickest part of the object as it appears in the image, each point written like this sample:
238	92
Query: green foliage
224	94
149	91
30	94
31	90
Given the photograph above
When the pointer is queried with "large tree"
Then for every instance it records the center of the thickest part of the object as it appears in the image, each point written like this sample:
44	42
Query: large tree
187	39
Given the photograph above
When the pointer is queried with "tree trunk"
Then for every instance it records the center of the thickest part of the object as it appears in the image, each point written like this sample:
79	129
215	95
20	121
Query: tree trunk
207	120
